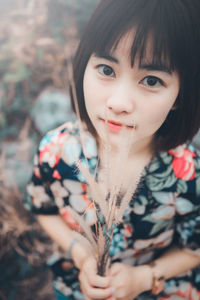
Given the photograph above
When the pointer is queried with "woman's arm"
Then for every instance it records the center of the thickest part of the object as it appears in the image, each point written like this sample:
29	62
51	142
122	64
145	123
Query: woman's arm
60	233
129	282
176	261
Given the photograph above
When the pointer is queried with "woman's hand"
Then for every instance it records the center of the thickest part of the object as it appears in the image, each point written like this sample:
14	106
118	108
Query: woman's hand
94	286
128	282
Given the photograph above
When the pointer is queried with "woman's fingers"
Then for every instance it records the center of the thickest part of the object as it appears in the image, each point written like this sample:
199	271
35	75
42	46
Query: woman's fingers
95	293
92	285
90	271
99	282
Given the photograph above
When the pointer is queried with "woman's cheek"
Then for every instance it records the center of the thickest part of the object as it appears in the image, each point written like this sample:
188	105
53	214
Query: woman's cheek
91	89
156	116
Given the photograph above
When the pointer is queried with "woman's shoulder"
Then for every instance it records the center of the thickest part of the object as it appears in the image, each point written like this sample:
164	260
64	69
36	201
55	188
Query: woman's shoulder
175	170
53	136
67	144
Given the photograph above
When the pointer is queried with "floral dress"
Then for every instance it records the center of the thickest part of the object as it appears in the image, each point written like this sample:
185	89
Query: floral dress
164	210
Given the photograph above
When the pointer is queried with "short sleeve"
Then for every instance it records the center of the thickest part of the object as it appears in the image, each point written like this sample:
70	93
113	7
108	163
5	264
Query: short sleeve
56	182
188	210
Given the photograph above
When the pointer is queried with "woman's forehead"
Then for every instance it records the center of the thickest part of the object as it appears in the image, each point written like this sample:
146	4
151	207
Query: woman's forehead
124	45
143	53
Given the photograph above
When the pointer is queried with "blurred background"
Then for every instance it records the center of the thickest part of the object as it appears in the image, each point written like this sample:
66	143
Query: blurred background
37	40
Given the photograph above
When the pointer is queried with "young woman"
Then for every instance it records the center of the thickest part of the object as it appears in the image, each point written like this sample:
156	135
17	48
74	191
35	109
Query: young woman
137	68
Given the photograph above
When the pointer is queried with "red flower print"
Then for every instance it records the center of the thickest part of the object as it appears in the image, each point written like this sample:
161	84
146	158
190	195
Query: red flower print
66	265
183	163
56	174
69	219
50	154
37	172
184	291
128	231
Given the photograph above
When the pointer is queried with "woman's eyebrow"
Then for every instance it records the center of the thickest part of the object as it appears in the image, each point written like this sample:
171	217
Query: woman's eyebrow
107	57
155	67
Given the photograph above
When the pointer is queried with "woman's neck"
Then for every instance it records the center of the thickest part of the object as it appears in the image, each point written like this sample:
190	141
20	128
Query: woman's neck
134	152
122	167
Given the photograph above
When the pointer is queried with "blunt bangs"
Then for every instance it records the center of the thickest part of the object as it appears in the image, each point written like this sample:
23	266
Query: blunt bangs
172	29
155	21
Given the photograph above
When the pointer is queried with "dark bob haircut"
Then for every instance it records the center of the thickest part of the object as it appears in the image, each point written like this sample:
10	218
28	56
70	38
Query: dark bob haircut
174	28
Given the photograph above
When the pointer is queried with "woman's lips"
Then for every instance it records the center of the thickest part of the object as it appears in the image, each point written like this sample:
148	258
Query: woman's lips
115	126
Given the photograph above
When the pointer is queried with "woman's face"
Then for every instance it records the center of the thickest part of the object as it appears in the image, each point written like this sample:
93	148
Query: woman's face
136	98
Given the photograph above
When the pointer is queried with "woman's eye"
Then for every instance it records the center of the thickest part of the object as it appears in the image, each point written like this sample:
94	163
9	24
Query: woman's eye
106	70
152	81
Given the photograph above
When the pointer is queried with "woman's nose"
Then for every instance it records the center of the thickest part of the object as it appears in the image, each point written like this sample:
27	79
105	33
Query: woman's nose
121	100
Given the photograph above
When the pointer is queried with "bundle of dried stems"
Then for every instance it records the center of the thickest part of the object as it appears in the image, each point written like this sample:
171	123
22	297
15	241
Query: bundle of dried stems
106	194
